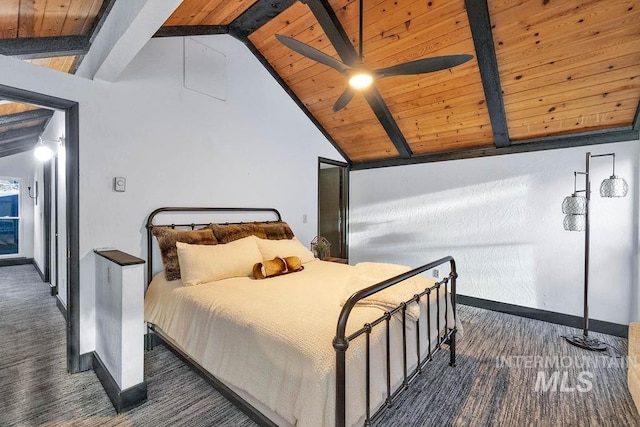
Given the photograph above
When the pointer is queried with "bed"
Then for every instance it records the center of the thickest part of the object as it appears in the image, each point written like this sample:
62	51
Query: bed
331	344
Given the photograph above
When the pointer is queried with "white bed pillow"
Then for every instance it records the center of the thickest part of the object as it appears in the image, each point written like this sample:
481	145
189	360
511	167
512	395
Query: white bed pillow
207	263
284	248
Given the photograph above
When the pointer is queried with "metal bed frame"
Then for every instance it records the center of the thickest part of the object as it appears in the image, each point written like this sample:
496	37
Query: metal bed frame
341	341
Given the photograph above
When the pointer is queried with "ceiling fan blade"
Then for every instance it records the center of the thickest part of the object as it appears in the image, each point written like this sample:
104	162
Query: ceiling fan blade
344	99
313	53
425	65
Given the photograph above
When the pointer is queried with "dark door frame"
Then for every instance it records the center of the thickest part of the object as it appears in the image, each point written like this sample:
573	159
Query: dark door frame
347	168
72	144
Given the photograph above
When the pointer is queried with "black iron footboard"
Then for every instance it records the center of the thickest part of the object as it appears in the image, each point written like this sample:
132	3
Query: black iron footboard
341	341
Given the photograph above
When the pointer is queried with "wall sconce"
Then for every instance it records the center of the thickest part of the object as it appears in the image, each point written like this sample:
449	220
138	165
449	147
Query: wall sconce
43	151
35	195
576	209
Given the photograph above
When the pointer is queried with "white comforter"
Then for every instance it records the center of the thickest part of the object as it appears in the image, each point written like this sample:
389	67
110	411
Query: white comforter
272	338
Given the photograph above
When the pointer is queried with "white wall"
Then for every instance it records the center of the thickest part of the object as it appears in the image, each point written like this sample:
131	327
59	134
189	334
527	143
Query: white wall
179	147
23	166
500	217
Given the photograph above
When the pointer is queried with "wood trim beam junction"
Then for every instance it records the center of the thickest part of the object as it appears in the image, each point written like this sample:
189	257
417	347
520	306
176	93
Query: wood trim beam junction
25	116
44	47
258	14
329	22
524	146
480	22
293	96
191	30
636	120
101	17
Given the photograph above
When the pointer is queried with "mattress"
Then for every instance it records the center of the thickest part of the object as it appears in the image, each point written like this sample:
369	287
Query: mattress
272	339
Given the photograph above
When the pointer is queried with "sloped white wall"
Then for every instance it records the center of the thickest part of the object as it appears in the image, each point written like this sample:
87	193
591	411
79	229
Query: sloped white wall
22	166
500	217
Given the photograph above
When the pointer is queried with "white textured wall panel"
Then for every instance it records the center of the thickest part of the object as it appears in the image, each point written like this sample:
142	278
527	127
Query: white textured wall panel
501	218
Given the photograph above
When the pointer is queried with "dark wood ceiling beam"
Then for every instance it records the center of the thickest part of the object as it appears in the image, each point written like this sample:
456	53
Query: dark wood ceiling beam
636	120
522	146
191	30
26	145
258	14
19	145
332	27
18	134
480	22
44	47
25	117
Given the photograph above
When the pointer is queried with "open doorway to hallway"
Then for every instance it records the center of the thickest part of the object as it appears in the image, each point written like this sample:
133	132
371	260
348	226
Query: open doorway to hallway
57	198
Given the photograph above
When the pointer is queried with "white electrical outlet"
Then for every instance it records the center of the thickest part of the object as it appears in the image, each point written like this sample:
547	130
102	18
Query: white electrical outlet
436	273
304	218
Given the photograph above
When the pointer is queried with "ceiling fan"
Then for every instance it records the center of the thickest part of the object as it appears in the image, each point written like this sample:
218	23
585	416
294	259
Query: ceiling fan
359	75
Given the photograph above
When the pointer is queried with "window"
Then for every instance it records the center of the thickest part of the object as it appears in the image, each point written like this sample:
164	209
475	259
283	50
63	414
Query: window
9	216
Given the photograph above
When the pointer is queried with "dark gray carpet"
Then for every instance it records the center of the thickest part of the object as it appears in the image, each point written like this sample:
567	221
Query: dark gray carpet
36	390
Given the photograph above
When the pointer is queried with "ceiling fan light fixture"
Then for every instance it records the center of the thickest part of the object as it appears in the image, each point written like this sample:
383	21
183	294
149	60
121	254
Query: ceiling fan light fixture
361	80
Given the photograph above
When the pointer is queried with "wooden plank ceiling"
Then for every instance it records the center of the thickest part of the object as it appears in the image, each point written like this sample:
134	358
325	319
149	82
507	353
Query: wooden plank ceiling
545	73
564	71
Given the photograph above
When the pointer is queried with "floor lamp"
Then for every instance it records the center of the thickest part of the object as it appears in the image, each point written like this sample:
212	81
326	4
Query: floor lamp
576	209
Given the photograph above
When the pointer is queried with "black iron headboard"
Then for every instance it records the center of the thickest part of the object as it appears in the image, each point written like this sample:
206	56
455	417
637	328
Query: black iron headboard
150	225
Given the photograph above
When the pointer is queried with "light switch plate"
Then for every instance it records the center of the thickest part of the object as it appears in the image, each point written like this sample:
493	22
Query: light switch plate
119	184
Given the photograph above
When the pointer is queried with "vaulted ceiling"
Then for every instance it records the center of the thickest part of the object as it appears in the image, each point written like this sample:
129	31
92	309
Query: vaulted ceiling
545	73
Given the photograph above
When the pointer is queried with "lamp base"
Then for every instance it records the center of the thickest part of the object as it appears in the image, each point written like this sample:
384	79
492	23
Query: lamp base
585	342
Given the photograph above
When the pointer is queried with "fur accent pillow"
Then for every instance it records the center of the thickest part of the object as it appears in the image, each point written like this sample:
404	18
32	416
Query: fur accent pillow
226	233
167	239
277	230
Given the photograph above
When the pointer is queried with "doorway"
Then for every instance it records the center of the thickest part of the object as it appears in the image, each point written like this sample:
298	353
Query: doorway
70	205
333	206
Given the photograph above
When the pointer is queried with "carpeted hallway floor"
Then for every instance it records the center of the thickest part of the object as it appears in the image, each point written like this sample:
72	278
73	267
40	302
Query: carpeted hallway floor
504	376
